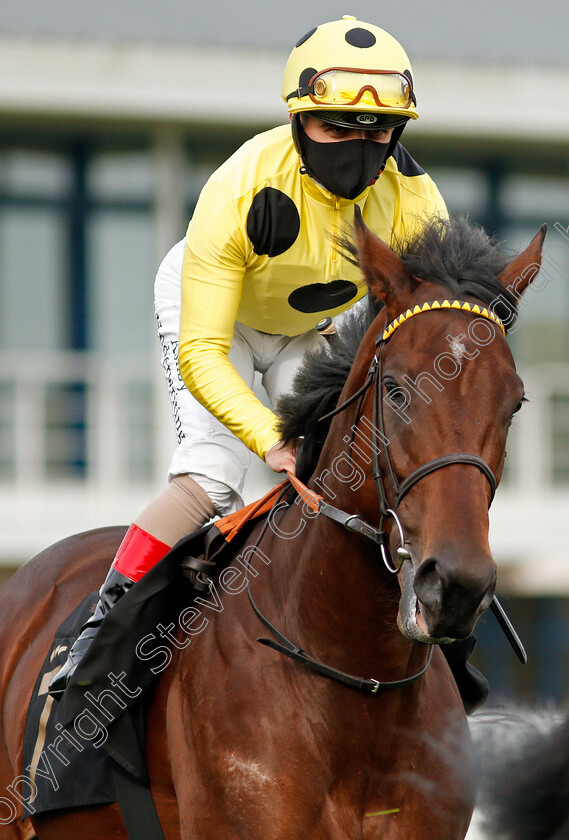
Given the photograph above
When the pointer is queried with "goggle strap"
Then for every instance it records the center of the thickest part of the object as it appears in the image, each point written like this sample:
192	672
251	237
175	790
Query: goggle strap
300	92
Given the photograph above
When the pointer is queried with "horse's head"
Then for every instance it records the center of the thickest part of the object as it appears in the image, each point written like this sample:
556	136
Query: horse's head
446	390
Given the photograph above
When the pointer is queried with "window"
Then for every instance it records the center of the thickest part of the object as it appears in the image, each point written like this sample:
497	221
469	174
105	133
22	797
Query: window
559	436
465	191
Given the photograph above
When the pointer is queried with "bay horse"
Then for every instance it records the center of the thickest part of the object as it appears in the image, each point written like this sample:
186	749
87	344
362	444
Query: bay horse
380	560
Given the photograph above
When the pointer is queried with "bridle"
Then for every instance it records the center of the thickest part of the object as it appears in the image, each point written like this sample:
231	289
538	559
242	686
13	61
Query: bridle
356	524
401	488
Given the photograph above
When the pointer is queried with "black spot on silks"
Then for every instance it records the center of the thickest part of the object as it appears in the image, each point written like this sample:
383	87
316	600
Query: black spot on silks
319	297
359	37
273	222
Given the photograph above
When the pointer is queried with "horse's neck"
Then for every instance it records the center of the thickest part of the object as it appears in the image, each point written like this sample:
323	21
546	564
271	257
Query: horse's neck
332	594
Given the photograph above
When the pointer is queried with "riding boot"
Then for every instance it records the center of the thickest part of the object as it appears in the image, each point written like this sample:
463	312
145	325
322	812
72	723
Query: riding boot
137	554
183	507
472	685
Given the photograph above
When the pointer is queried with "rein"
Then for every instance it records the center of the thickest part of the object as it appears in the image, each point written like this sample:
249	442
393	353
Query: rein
281	644
354	523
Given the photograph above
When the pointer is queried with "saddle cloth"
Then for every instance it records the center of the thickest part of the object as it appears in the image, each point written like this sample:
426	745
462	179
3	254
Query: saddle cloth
70	745
59	771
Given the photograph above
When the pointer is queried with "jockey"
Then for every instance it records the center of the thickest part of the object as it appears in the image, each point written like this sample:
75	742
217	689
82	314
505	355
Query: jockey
258	270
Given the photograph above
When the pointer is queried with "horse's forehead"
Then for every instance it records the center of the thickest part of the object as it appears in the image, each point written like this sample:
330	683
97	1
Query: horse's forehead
458	349
454	329
450	344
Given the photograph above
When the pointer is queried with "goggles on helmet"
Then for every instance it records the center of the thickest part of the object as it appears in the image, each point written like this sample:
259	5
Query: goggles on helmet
339	86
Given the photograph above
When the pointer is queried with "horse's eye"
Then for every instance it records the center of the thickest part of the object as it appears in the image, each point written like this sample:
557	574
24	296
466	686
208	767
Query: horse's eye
394	392
516	409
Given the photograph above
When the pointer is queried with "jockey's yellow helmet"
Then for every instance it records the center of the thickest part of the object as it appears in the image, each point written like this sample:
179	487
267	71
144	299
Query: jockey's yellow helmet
352	70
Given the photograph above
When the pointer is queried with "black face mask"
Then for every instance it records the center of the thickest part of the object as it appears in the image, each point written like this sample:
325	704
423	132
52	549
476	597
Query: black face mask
345	168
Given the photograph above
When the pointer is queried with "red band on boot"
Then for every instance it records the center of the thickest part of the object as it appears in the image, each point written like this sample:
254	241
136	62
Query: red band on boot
138	553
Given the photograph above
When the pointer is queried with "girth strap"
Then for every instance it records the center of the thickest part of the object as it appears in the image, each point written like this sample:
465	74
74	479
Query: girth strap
137	807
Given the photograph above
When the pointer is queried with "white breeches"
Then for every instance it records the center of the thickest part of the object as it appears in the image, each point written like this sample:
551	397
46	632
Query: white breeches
207	450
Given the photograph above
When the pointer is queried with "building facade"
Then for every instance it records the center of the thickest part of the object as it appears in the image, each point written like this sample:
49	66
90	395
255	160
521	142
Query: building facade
105	143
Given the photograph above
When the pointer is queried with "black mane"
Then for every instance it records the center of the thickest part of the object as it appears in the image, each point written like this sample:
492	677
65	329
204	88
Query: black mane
317	386
461	256
455	254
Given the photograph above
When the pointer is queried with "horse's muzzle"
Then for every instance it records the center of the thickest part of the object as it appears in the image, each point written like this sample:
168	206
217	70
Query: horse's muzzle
439	603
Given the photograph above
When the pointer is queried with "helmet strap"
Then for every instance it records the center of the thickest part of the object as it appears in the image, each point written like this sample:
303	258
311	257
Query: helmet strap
296	128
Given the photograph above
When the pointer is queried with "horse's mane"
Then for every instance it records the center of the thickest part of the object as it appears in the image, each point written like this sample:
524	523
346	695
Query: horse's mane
455	254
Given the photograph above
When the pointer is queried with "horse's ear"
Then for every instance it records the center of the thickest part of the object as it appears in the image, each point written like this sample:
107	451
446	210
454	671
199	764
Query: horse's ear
386	275
520	272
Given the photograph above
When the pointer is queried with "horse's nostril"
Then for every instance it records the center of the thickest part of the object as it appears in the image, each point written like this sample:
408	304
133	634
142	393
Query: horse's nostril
450	596
429	583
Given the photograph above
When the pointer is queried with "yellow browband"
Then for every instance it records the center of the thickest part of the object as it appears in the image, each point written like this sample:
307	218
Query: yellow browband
442	304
